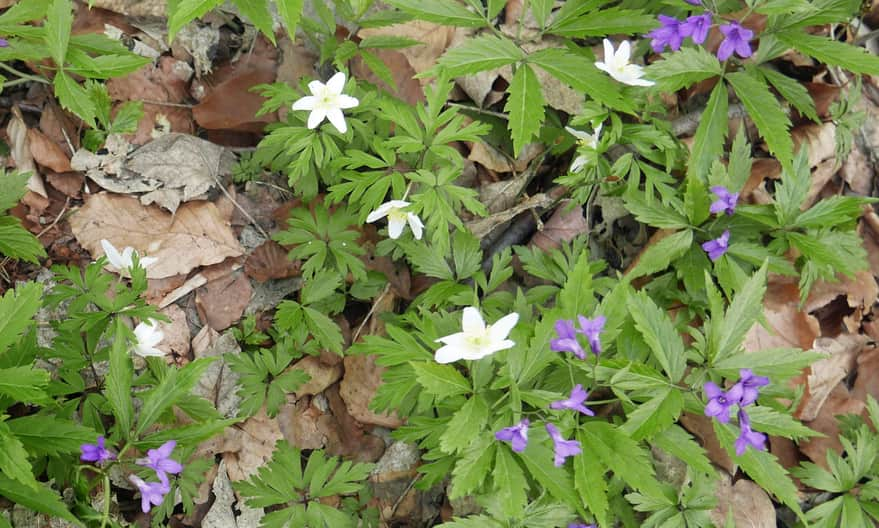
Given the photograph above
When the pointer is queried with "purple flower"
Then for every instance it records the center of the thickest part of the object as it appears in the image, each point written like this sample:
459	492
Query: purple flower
668	34
717	247
719	401
159	460
517	434
563	448
96	452
694	2
151	493
581	525
726	201
592	328
748	437
574	402
735	40
567	339
750	386
4	43
697	27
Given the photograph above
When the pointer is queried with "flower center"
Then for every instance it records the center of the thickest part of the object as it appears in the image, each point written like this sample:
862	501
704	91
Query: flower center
397	215
479	341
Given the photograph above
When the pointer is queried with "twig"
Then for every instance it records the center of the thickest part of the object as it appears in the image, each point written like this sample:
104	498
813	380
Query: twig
57	218
165	103
370	312
403	495
478	110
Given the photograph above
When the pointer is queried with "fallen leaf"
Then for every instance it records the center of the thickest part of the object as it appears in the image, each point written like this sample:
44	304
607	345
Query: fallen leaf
269	261
435	39
345	437
701	426
69	183
840	401
177	337
824	375
321	375
789	327
867	382
485	227
219	383
195	236
46	152
222	301
249	445
749	505
299	421
20	150
227	511
565	224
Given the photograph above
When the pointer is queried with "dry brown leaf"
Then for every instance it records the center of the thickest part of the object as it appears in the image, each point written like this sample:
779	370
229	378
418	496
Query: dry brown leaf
269	261
839	402
483	227
246	446
219	383
749	505
869	231
321	375
46	152
222	301
299	421
858	294
867	382
177	337
195	236
564	225
824	375
69	183
789	326
20	150
345	436
701	426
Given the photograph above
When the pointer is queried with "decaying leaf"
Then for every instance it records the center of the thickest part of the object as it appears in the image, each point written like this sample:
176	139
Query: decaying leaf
222	301
195	236
824	375
20	150
177	338
46	152
789	326
565	224
219	383
300	423
227	511
269	261
749	505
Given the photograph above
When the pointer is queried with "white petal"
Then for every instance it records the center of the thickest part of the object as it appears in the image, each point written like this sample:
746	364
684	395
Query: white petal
112	254
336	83
502	345
397	204
608	51
598	131
624	52
395	227
379	213
502	327
126	257
317	88
458	339
148	351
315	117
306	103
415	225
578	163
603	67
577	133
146	262
471	321
346	101
447	354
337	118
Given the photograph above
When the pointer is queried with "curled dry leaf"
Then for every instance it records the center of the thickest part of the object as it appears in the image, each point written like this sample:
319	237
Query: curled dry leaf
321	375
20	150
824	375
269	261
195	236
46	152
176	332
789	327
226	511
222	301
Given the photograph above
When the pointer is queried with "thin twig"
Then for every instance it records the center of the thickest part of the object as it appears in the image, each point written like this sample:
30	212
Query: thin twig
370	312
478	110
403	495
57	218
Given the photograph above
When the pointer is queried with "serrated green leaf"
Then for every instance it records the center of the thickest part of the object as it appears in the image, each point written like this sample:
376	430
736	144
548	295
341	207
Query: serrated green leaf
766	113
744	310
697	201
684	68
257	13
622	455
188	435
14	187
659	333
290	12
794	92
772	362
24	384
525	107
17	309
656	414
658	256
599	23
473	467
654	214
465	425
14	461
324	329
185	11
19	243
577	296
832	211
176	385
46	500
440	380
580	73
509	483
73	97
828	51
485	52
711	133
48	435
679	443
119	380
389	42
772	422
59	20
590	483
24	12
538	457
447	12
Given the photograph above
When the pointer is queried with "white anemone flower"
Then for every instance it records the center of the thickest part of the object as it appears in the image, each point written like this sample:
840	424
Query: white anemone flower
478	339
398	217
617	65
584	139
148	336
327	101
124	261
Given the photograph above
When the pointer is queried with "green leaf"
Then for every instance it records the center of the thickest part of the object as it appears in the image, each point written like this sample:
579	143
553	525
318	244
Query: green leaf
541	9
17	309
73	97
772	422
659	333
766	113
538	457
19	243
46	500
175	386
473	466
590	483
446	12
48	435
654	214
59	20
485	52
744	310
762	467
828	51
580	73
772	362
697	202
525	107
290	12
628	460
711	133
466	424
658	256
24	12
119	379
577	296
656	414
257	12
832	211
389	42
604	22
185	11
794	92
510	483
440	380
188	435
324	329
684	68
14	461
14	187
679	443
24	384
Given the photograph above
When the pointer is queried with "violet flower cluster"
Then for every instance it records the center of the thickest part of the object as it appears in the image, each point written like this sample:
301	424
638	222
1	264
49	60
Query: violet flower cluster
672	32
743	393
159	460
725	203
567	335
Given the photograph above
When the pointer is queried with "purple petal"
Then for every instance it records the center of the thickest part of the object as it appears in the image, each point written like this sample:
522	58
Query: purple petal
725	50
712	390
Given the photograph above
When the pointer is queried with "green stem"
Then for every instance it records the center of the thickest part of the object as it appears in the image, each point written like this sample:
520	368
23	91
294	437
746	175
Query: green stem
105	516
22	77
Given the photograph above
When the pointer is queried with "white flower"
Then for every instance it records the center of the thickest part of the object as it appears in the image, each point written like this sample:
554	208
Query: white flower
586	140
327	101
397	218
477	340
148	336
124	261
617	65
